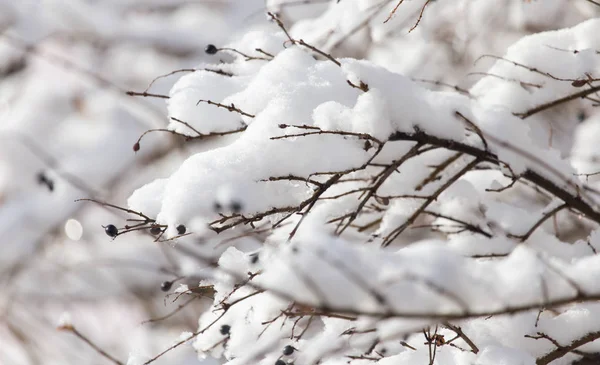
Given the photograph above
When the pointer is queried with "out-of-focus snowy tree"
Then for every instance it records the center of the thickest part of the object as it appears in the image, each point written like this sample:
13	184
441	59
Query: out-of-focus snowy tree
66	132
341	181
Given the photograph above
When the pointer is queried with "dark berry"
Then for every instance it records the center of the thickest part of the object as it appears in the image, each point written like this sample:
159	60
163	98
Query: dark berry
181	229
211	49
288	350
217	207
225	329
42	179
280	362
581	117
166	285
236	207
111	230
254	258
136	147
155	230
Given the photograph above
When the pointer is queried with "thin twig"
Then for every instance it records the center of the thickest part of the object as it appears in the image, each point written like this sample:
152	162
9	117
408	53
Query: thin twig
82	337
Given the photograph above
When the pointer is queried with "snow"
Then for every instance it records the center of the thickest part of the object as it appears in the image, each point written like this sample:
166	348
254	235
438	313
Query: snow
359	203
423	279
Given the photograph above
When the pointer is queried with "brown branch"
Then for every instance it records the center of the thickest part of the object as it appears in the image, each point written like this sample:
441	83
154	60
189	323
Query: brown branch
507	79
167	75
247	220
148	219
574	201
199	332
145	94
293	178
247	57
231	108
556	102
420	16
463	336
301	41
467	225
198	136
219	72
276	19
384	176
172	313
440	83
317	130
396	232
529	68
320	191
393	11
322	53
539	222
82	337
434	174
378	8
473	128
260	50
350	310
186	124
346	193
563	350
313	312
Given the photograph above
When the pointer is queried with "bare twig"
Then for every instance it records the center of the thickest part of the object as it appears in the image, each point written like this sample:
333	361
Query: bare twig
170	314
393	11
561	351
396	232
539	222
231	108
463	336
85	339
553	103
146	94
420	16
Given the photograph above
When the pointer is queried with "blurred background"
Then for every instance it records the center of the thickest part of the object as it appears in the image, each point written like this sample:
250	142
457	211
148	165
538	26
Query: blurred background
67	128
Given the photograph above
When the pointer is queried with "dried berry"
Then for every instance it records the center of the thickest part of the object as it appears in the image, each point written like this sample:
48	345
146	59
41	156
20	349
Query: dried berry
225	329
136	147
236	207
280	362
211	49
42	179
155	230
288	350
166	285
181	229
111	230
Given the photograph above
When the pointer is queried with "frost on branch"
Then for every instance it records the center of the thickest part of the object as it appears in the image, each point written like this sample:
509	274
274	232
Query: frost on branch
356	215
